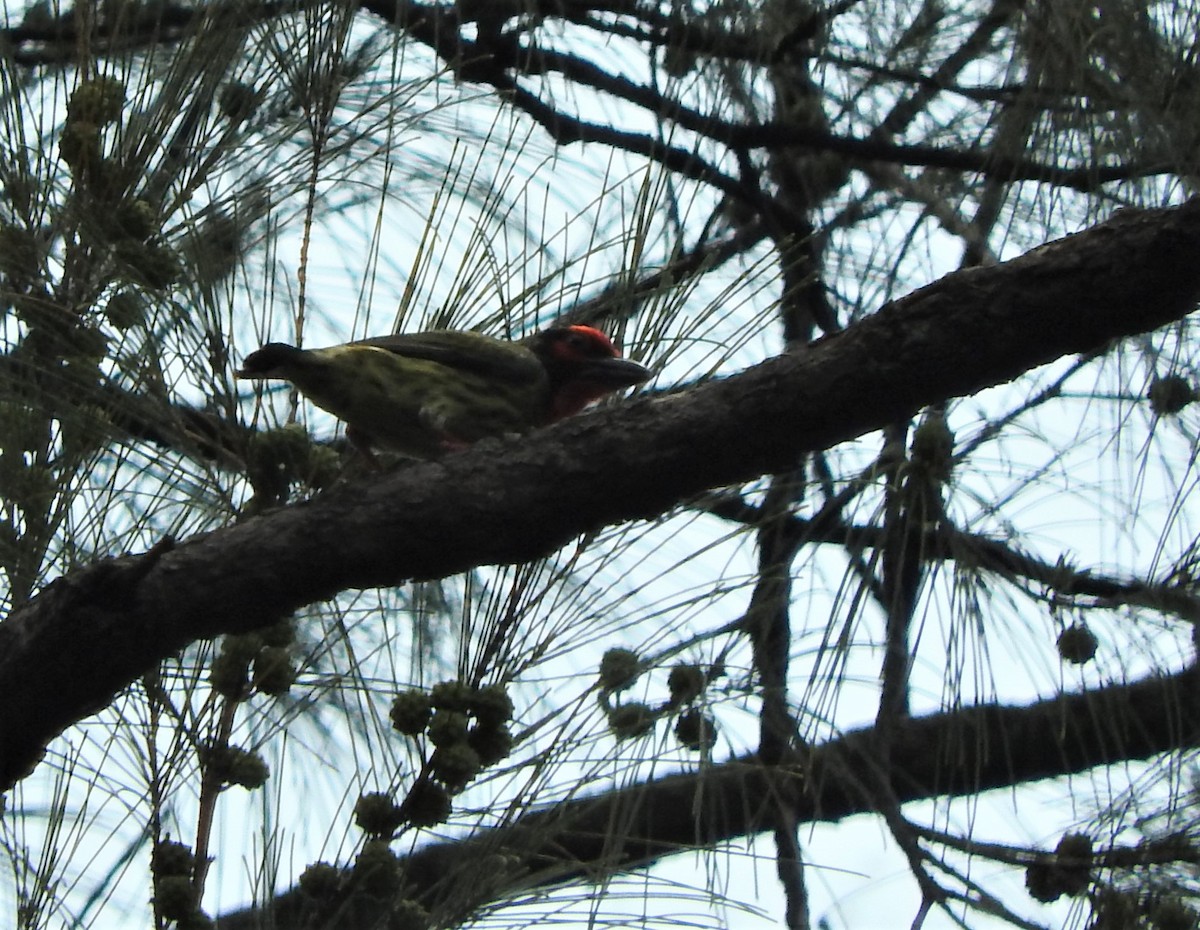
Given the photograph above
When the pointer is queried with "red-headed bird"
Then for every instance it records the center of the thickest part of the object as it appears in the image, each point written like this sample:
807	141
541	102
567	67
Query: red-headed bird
423	394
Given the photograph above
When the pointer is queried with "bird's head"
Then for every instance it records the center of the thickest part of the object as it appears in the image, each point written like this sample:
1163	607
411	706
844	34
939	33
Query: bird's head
583	366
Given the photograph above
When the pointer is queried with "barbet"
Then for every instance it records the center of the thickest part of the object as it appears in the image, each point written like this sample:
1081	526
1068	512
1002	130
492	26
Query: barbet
424	394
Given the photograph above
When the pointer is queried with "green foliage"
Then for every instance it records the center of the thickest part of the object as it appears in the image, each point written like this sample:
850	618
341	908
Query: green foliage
274	671
410	915
170	858
447	727
427	805
696	730
492	743
619	669
1077	644
98	101
411	712
232	765
455	765
174	897
377	814
491	705
454	696
686	683
1170	395
320	880
376	869
631	721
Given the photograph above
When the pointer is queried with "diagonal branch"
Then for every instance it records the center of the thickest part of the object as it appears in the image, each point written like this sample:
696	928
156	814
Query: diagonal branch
949	754
89	634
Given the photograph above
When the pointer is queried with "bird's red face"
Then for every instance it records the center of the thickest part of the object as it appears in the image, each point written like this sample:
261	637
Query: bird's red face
583	365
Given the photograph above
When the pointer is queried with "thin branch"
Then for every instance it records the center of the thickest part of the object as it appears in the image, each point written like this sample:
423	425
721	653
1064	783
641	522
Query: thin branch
945	542
438	28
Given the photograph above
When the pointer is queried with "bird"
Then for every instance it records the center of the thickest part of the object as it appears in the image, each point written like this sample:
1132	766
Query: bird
425	394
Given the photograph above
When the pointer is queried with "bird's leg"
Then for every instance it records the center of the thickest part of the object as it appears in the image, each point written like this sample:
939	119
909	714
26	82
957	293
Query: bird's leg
362	444
435	421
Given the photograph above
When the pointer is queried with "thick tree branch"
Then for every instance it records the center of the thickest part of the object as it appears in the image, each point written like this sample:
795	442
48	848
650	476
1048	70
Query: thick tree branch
89	634
951	754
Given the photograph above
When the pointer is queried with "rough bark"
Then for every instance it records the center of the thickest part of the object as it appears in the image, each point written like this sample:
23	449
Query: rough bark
86	636
948	754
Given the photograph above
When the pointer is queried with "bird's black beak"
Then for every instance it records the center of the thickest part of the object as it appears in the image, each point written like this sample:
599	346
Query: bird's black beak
612	373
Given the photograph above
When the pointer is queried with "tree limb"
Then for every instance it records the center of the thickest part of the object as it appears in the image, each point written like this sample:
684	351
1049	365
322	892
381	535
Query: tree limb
86	636
949	754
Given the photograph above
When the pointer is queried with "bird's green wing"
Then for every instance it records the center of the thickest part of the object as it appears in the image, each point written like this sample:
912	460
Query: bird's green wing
466	351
